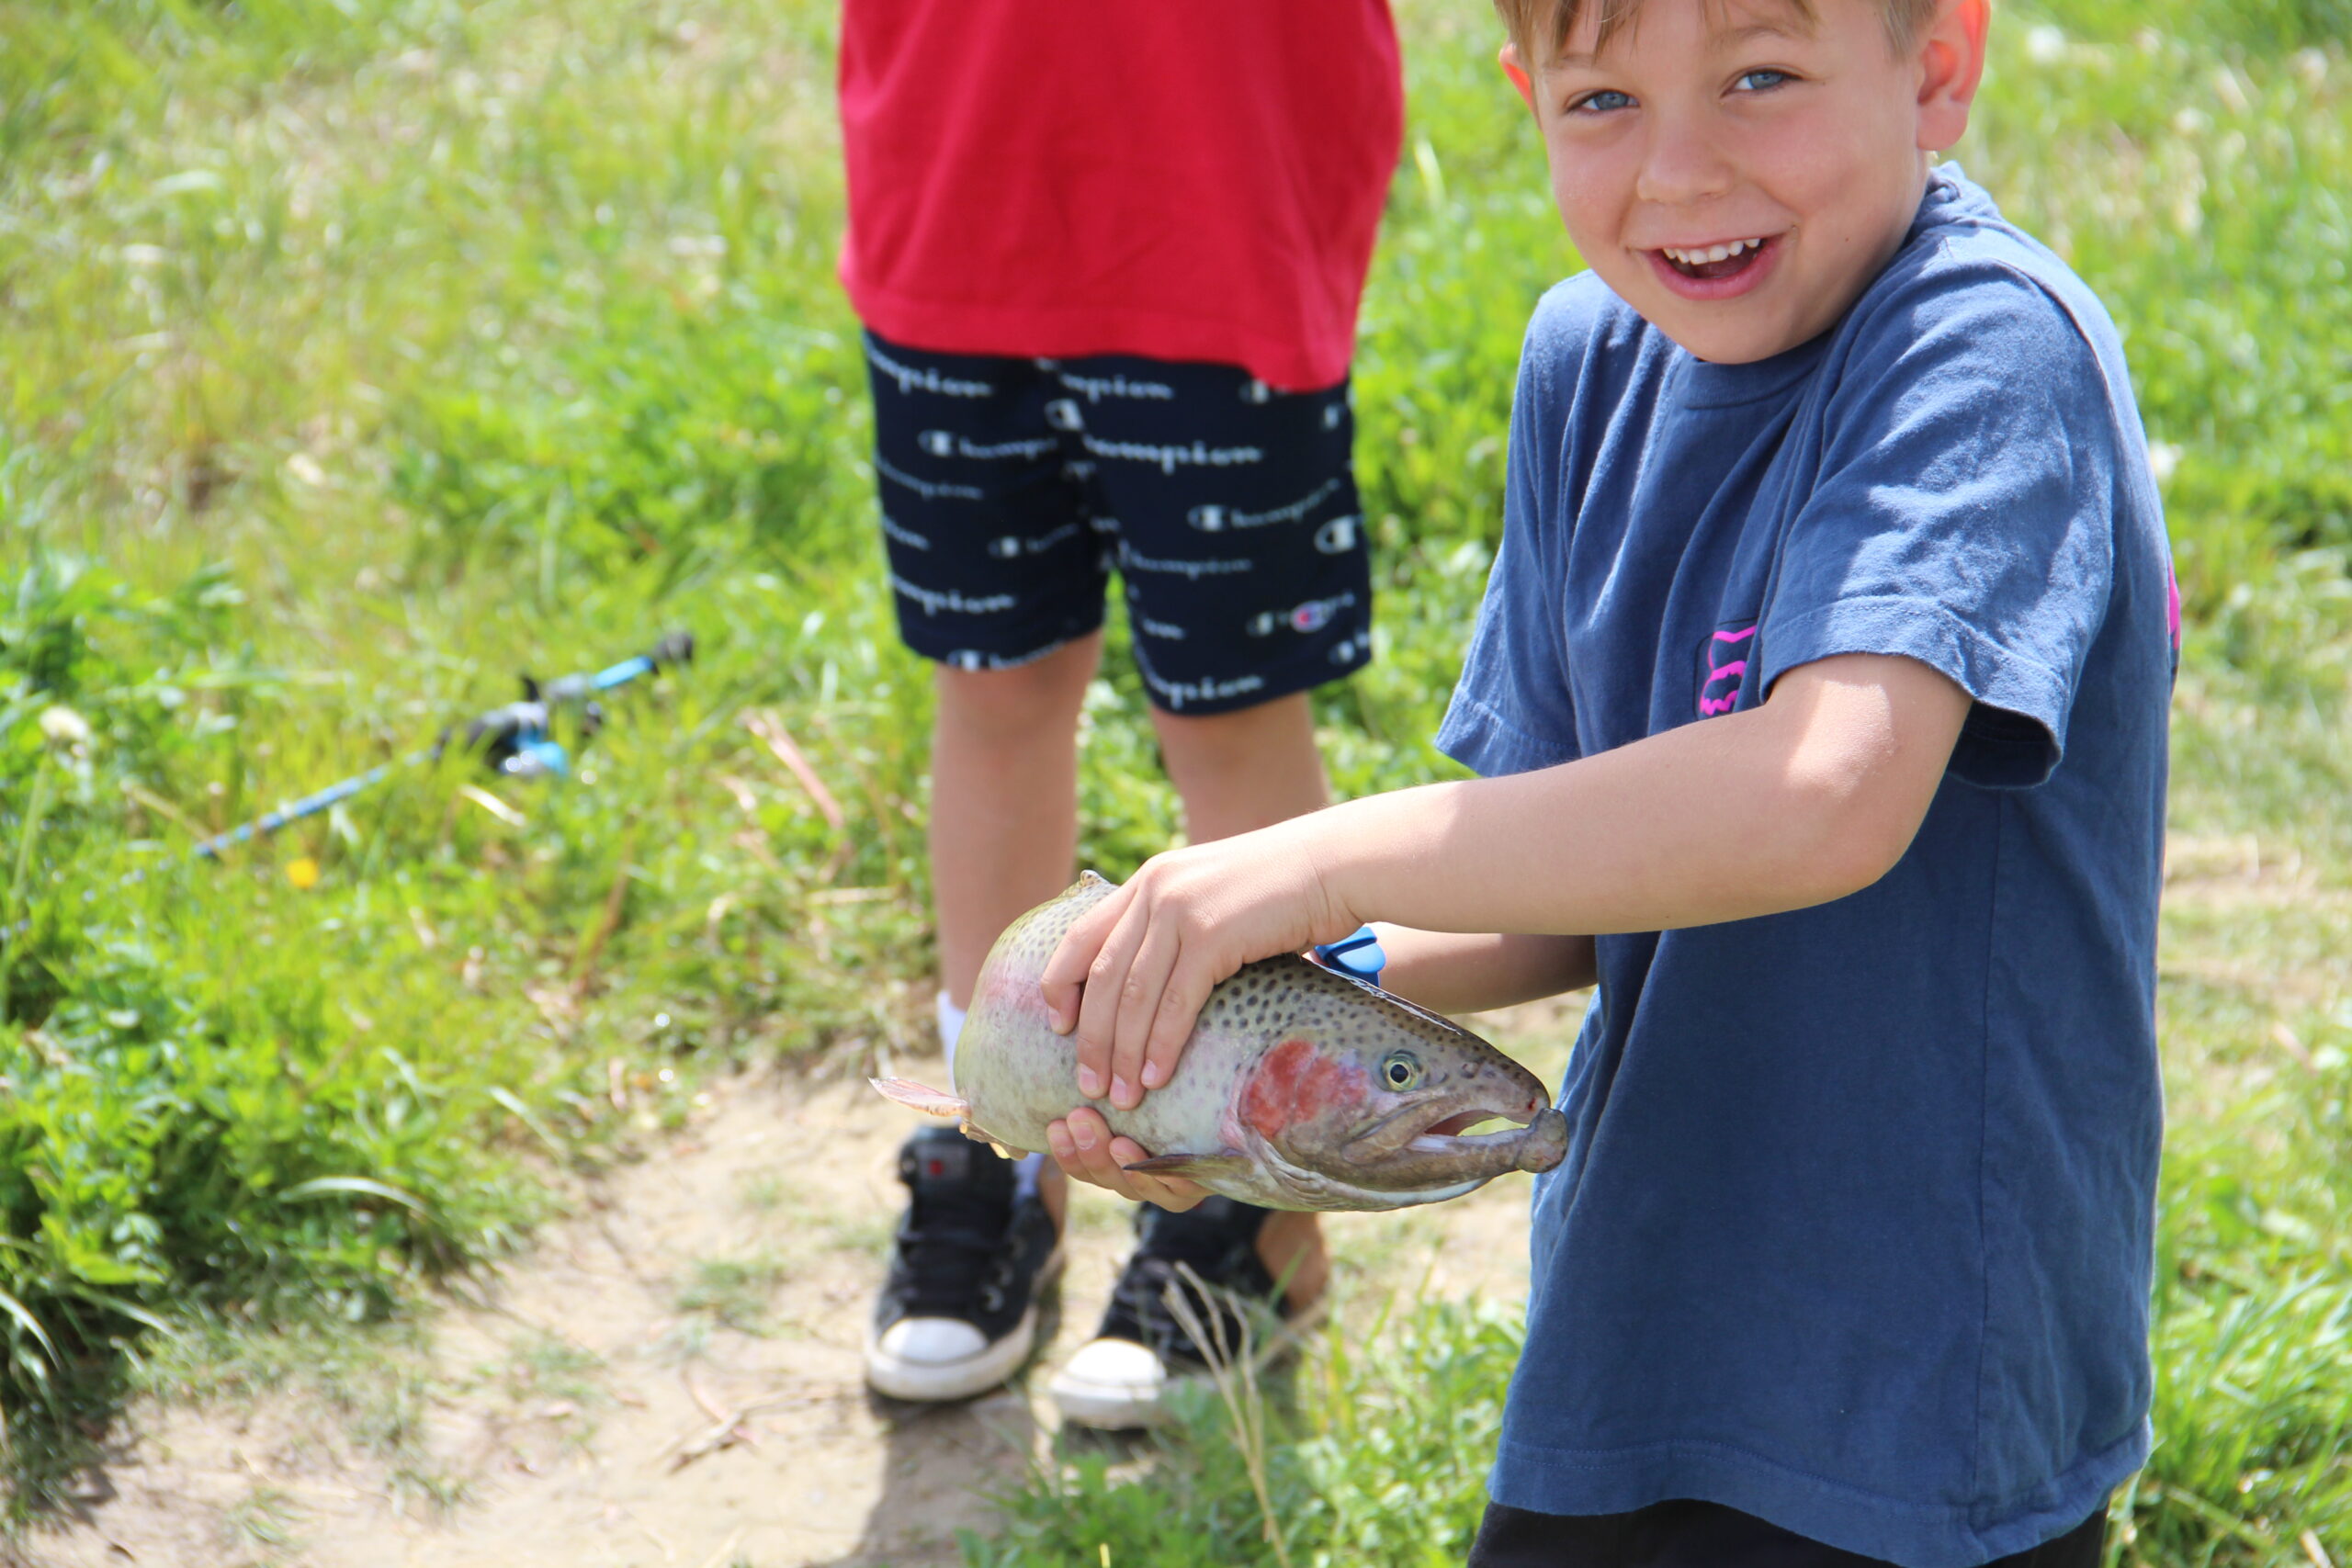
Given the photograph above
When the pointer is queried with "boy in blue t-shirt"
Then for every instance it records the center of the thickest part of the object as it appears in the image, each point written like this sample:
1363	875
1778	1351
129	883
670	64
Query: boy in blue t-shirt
1820	691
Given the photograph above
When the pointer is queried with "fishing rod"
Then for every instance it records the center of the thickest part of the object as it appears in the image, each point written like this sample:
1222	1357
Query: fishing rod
518	739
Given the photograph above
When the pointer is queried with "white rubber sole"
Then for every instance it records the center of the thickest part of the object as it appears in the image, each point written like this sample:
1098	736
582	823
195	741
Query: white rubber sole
1134	1403
932	1382
1108	1406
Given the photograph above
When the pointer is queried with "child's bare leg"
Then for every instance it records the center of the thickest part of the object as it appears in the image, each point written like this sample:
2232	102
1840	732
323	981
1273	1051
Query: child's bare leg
1003	800
1004	812
1236	771
1243	769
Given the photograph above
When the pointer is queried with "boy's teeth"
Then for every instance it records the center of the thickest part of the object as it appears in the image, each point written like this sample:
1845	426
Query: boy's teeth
1710	253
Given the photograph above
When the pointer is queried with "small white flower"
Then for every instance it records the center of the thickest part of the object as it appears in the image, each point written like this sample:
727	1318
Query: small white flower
63	727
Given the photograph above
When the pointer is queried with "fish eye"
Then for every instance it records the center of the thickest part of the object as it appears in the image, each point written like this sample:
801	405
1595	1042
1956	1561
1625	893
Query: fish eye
1402	1069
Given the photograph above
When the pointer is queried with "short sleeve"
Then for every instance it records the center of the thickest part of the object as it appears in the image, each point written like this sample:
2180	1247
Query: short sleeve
1963	513
1512	711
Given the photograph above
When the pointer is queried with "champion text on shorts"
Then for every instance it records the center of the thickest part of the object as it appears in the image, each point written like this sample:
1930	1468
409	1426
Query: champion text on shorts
1170	458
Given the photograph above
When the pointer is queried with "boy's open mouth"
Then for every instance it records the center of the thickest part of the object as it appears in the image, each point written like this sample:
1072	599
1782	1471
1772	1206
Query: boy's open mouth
1713	271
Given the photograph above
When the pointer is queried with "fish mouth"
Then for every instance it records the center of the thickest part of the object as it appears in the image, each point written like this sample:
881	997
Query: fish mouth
1431	1146
1418	1132
1535	1145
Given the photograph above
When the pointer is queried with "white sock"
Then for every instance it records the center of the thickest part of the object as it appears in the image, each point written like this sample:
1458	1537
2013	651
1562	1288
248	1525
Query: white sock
951	1029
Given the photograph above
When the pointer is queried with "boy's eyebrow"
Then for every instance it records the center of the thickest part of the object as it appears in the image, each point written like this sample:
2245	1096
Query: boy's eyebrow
1718	40
1729	38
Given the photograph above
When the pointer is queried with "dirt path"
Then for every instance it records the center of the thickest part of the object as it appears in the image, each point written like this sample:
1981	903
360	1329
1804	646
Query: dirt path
670	1378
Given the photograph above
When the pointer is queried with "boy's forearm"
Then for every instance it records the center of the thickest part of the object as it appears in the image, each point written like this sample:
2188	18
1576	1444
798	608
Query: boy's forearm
1776	808
1454	972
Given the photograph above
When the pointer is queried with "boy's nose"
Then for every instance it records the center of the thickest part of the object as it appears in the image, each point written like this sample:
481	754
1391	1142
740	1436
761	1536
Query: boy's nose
1681	165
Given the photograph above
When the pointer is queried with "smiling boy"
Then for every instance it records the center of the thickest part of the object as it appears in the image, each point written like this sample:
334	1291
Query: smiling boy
1819	693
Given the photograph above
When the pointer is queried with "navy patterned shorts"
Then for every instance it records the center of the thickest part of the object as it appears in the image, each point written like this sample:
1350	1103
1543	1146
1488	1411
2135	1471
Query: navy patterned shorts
1012	488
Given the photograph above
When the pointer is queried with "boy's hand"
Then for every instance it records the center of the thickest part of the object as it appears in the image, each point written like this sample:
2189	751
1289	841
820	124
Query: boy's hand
1131	975
1082	1146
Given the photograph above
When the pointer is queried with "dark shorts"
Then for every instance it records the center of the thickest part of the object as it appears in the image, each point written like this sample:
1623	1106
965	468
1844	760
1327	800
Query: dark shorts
1012	488
1685	1534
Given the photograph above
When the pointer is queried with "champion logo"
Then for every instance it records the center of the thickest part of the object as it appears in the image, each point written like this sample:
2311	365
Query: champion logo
1214	519
922	378
1094	388
934	602
1013	546
1305	619
1133	559
1175	694
1169	459
1724	663
973	658
894	529
927	488
947	443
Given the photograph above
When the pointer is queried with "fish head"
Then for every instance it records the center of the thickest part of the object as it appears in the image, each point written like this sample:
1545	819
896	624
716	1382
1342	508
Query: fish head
1362	1092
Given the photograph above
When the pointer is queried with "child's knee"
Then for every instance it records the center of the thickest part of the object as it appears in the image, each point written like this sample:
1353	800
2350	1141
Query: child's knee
1015	704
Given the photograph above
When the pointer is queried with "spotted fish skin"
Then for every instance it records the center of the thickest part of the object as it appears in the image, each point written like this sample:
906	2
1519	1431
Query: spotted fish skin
1299	1089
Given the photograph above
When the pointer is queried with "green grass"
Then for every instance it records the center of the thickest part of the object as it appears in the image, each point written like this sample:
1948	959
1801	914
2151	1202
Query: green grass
354	359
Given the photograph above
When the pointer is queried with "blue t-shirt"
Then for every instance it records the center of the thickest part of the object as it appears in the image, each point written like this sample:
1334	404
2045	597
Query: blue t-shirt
1855	1228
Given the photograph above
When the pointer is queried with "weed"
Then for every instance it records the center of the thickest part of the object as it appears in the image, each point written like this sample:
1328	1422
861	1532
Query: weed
547	1367
764	1191
263	1520
733	1291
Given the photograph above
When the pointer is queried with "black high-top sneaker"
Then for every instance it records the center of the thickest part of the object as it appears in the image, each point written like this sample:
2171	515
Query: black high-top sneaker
1115	1380
958	1314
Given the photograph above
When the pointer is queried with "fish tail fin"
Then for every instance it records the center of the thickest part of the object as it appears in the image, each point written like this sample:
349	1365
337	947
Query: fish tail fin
930	1101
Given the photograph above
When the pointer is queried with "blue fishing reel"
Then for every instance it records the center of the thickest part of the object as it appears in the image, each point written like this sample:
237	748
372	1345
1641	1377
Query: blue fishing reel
1358	956
518	739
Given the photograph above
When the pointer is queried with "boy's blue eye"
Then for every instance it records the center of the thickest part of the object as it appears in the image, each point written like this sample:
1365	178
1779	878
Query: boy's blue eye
1602	102
1762	81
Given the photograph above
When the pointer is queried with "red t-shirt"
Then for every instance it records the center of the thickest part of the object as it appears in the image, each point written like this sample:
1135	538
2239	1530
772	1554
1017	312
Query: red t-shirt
1187	179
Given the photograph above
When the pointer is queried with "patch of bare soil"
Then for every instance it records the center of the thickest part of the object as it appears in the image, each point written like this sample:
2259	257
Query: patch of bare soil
671	1379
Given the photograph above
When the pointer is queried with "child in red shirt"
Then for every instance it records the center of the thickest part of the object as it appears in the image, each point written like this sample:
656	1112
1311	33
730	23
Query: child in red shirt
1108	255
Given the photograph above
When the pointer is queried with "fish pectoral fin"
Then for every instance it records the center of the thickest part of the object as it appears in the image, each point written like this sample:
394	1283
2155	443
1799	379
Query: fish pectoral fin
930	1101
1199	1167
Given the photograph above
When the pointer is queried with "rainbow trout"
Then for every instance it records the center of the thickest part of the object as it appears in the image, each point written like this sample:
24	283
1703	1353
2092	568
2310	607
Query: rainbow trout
1300	1089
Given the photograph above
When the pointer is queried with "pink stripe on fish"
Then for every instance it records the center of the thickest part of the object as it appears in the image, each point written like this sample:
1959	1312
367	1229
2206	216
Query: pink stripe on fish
1710	706
1736	667
1740	636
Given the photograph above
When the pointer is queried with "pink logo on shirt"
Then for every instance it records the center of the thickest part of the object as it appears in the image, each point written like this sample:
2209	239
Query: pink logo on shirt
1722	671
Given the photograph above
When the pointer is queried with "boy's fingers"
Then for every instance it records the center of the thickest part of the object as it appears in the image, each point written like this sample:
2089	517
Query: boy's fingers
1097	1010
1084	1160
1180	1000
1064	978
1082	1146
1139	1002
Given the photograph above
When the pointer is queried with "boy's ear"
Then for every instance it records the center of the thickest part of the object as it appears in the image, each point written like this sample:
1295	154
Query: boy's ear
1516	69
1951	63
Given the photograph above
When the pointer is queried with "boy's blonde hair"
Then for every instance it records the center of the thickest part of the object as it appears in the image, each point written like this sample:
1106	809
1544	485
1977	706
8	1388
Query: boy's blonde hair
1539	28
